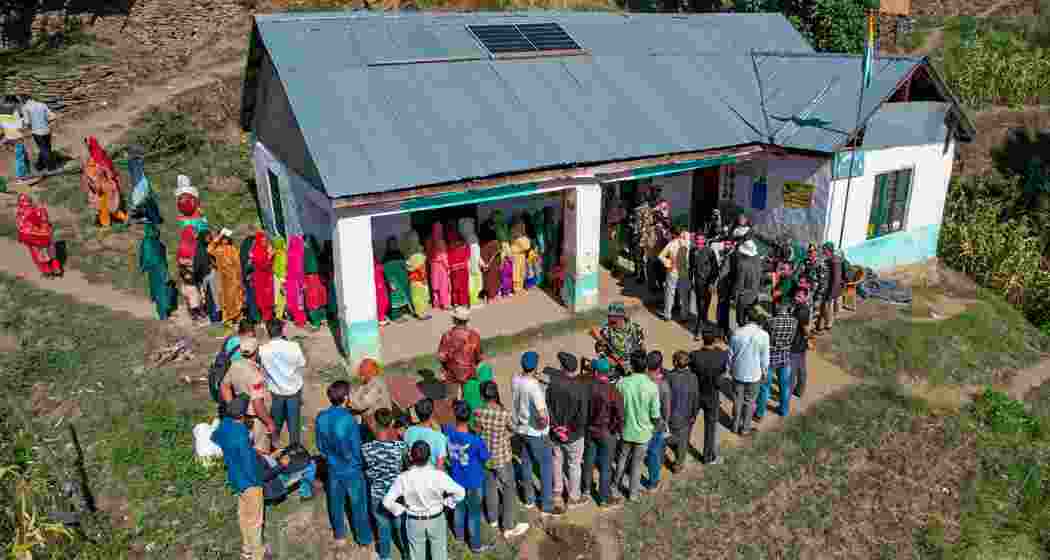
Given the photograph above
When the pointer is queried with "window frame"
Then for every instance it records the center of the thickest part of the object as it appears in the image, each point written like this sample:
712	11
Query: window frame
876	202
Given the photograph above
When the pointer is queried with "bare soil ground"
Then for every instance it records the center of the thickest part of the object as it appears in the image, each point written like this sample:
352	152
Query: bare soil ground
993	127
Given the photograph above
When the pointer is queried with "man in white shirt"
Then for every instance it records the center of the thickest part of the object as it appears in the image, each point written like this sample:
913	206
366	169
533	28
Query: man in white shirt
37	117
283	363
749	366
424	493
532	425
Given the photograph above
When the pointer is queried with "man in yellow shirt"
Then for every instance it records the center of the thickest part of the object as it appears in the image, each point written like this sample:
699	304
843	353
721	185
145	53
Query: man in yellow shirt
675	258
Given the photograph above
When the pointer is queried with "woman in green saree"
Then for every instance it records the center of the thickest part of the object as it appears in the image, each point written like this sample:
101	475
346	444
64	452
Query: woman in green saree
153	260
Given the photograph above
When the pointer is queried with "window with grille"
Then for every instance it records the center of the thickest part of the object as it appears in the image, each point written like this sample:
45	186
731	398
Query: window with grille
889	205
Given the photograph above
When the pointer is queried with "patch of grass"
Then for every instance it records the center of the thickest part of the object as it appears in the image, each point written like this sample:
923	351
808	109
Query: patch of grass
77	48
668	525
109	256
971	348
133	424
1009	499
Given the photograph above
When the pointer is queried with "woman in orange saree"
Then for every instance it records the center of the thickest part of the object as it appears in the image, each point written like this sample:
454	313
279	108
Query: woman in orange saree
99	179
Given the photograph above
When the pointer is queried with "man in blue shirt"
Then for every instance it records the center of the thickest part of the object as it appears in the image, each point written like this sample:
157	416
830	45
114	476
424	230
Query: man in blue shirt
467	455
427	430
339	441
242	472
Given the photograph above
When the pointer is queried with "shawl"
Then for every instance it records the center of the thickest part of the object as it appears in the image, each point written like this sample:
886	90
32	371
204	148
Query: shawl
382	299
262	252
32	222
151	252
397	281
187	243
201	260
246	261
295	261
25	206
101	158
416	261
311	262
280	257
437	241
458	252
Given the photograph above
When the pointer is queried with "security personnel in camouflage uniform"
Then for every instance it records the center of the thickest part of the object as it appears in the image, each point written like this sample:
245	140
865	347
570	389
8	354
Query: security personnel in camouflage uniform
621	336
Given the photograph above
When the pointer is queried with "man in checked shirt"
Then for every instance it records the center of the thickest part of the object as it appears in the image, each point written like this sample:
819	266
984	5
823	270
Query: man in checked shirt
782	329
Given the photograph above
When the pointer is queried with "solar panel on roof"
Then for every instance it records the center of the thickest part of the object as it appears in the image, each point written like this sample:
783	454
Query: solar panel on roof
523	38
548	36
500	39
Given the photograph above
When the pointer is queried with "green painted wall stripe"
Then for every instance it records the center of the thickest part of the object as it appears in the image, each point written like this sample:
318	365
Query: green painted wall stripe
672	168
470	197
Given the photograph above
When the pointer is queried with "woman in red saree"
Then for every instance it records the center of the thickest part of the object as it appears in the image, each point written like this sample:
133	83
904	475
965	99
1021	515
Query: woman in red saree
382	299
459	268
262	276
36	233
99	179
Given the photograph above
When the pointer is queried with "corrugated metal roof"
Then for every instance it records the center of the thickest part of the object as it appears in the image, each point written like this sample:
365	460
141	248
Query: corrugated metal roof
381	128
812	99
362	38
907	124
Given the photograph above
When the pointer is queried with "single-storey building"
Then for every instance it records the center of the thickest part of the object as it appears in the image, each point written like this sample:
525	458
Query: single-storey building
365	125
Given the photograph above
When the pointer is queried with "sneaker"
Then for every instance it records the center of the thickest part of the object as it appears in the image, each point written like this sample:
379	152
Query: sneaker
482	549
494	524
718	461
518	530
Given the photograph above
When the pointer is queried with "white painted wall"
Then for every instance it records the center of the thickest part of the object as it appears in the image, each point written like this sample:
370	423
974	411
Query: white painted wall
932	173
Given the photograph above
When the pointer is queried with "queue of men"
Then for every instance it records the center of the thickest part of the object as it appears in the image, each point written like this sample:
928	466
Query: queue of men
614	415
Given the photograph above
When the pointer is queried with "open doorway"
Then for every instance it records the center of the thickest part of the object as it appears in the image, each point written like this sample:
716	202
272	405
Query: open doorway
423	220
705	196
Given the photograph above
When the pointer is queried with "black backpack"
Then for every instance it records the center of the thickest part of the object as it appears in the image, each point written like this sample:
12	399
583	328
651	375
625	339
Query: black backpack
218	369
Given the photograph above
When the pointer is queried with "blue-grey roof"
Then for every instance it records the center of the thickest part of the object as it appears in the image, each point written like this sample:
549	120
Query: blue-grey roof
907	124
824	88
653	85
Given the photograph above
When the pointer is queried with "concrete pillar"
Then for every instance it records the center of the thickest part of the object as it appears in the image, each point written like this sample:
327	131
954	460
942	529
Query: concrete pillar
583	225
355	289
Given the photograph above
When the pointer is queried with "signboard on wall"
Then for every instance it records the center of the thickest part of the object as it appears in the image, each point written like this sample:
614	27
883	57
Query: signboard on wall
798	194
840	167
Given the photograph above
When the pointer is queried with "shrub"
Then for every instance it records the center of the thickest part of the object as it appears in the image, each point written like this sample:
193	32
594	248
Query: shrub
998	69
1001	252
165	132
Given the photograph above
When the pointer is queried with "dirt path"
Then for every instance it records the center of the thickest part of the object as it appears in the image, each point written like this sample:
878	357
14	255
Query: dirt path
109	124
935	39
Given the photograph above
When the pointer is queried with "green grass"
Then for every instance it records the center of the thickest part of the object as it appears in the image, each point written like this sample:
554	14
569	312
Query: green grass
134	425
1008	502
80	49
666	525
913	40
970	348
111	257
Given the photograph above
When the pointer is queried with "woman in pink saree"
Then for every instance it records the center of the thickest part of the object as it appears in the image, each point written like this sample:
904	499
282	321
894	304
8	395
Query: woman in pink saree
295	279
262	277
440	282
382	299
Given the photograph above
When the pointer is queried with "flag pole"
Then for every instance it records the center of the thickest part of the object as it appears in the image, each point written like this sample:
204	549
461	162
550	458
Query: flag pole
865	75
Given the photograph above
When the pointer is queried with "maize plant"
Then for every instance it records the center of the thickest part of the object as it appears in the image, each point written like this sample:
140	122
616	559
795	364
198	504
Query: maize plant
31	531
998	72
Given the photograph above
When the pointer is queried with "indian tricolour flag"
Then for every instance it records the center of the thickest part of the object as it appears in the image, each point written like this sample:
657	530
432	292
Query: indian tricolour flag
869	49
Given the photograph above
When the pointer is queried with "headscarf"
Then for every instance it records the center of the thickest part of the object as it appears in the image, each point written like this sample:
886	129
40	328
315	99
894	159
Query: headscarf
101	157
25	206
260	249
437	239
500	222
410	244
368	370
